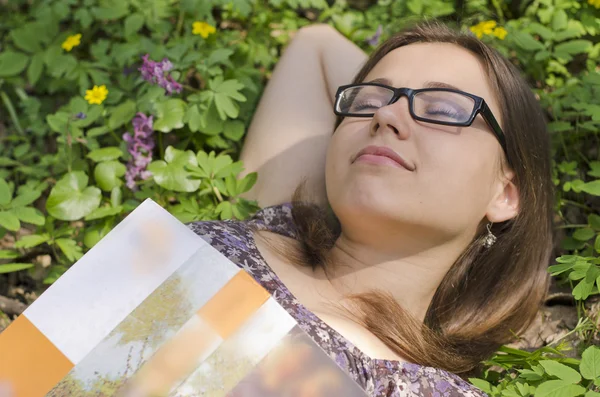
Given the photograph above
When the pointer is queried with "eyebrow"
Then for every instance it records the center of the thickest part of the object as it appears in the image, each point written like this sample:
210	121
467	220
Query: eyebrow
428	84
439	84
381	80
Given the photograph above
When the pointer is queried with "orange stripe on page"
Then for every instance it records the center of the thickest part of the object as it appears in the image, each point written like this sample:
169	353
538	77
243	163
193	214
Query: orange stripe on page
175	360
30	363
233	304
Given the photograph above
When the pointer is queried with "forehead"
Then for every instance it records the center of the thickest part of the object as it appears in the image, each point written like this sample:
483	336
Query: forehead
416	65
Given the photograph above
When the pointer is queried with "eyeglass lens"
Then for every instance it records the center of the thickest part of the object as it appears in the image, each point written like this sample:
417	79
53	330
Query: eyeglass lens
442	106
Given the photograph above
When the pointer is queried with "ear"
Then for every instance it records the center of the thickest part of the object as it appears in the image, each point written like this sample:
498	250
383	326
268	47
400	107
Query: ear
505	202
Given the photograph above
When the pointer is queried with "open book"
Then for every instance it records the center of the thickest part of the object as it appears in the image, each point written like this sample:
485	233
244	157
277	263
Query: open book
153	310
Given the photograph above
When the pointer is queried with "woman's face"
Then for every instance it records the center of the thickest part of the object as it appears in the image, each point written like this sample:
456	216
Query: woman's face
452	173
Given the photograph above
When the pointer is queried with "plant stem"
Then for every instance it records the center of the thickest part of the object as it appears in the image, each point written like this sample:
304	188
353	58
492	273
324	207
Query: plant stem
11	112
217	193
190	88
564	145
161	148
576	204
68	147
570	226
180	22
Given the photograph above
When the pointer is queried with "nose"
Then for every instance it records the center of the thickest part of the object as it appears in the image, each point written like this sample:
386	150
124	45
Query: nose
394	117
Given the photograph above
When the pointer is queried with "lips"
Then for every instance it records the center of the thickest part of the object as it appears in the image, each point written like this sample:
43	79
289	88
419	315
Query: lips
383	151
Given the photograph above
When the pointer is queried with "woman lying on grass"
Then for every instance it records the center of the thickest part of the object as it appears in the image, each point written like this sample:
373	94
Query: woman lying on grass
419	243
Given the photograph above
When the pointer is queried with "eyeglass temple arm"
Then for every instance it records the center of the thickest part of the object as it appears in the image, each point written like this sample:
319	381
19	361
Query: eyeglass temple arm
493	123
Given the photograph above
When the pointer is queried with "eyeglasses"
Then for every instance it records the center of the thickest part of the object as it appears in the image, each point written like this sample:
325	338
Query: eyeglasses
443	106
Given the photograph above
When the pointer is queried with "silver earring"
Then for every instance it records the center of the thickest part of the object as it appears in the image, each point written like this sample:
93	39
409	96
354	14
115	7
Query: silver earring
489	239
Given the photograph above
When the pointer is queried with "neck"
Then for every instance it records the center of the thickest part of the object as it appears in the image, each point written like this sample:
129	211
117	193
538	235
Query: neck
399	265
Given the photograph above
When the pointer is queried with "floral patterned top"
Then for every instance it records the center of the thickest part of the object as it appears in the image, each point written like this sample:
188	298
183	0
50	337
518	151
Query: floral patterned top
377	377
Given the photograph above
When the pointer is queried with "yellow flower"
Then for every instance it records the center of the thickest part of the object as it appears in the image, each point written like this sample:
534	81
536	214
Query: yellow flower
96	95
71	41
486	27
203	29
500	32
595	3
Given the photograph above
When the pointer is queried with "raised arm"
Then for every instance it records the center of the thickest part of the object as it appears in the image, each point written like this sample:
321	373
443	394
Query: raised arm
288	137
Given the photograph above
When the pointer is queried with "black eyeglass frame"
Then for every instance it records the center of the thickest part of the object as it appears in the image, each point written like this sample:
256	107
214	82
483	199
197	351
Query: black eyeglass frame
481	107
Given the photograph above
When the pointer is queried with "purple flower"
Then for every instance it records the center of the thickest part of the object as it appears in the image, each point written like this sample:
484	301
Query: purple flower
154	73
374	40
140	146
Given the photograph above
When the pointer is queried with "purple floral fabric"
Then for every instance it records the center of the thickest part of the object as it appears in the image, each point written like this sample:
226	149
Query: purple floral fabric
380	378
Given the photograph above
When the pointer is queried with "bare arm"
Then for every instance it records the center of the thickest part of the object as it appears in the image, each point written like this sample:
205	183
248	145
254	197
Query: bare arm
288	137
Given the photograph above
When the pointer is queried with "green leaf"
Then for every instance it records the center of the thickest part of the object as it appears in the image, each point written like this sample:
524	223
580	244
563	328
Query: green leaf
559	126
84	17
121	114
55	272
116	196
234	130
70	248
580	270
105	154
34	71
25	197
541	30
542	56
219	56
597	244
29	215
171	174
108	174
231	184
26	38
591	393
71	198
5	192
169	114
211	121
584	234
8	254
94	234
481	384
193	118
103	212
561	371
558	388
32	240
12	63
92	114
583	289
594	221
560	268
111	10
559	20
573	47
224	210
14	267
526	41
58	121
97	131
592	188
133	24
246	183
9	221
594	169
590	363
225	92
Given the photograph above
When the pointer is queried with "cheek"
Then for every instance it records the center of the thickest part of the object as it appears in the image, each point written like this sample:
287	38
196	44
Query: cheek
460	181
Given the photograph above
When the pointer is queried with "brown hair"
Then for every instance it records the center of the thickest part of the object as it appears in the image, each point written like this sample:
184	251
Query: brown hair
489	294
